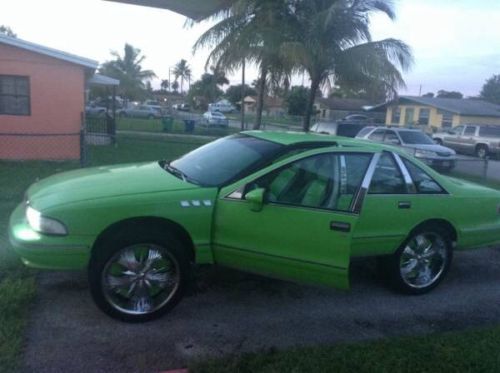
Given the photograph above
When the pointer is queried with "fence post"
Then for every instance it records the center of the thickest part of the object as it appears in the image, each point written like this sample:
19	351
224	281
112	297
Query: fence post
83	145
485	168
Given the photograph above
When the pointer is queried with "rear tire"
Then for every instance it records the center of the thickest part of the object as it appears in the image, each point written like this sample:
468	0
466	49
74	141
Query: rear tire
421	262
139	277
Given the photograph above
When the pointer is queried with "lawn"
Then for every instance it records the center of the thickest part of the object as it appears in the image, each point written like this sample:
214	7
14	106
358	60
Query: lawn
469	351
178	127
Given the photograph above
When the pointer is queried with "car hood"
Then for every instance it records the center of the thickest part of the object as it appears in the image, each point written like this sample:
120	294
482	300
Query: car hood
104	182
431	147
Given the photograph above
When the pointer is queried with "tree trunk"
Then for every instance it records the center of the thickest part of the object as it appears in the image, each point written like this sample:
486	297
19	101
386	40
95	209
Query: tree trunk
315	82
260	97
243	95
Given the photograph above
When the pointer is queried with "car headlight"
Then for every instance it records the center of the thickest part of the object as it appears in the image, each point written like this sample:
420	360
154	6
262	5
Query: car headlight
421	153
43	224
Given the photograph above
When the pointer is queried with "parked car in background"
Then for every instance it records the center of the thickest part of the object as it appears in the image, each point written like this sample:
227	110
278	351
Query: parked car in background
289	205
415	142
223	106
215	118
346	129
357	118
481	140
141	111
94	110
181	107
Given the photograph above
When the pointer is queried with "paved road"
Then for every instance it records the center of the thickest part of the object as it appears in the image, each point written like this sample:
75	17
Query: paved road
235	312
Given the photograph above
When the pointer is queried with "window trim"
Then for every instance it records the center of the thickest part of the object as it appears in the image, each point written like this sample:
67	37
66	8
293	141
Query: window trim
444	191
28	96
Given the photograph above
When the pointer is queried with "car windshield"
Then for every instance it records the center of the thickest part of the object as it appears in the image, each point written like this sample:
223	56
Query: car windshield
218	162
415	137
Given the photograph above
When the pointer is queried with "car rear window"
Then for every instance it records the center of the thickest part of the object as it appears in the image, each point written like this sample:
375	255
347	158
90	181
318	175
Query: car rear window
348	129
489	131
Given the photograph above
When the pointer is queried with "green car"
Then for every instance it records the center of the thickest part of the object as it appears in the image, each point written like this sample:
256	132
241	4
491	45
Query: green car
289	205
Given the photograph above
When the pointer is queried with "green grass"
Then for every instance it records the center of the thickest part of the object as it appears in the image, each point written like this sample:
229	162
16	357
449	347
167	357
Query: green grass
469	351
155	125
17	285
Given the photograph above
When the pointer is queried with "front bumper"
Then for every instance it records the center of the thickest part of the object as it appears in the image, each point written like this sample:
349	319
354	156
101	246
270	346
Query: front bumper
440	163
46	252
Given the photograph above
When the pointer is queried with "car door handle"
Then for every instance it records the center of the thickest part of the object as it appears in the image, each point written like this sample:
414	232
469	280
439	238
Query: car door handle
404	204
340	226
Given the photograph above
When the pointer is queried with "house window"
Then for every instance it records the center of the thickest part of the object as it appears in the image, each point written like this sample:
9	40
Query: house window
396	115
447	119
409	116
14	95
423	117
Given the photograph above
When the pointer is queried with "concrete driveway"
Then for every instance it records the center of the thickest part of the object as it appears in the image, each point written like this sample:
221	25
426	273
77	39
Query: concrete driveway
235	312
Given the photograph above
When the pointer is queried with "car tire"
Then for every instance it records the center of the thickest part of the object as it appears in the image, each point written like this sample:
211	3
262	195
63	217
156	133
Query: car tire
421	262
481	151
438	141
139	278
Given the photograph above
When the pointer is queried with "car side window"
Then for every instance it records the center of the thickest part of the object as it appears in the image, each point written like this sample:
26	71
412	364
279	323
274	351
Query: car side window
470	131
377	135
387	178
326	181
424	183
457	130
391	138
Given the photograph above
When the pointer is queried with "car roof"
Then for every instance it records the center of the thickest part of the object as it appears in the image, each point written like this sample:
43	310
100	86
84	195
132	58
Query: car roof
395	128
291	138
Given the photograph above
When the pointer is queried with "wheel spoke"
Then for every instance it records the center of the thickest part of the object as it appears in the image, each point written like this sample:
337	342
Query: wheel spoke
408	267
118	282
128	260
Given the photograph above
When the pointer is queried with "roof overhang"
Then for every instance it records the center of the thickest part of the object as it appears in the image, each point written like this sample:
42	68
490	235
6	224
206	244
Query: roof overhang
51	52
195	9
98	79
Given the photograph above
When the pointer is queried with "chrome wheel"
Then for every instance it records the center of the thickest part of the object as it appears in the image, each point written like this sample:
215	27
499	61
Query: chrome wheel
423	260
140	279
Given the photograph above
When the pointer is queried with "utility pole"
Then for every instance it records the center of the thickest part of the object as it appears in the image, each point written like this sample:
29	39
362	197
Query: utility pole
243	95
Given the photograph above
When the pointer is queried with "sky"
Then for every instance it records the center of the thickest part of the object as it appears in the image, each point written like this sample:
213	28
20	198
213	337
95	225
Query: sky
456	43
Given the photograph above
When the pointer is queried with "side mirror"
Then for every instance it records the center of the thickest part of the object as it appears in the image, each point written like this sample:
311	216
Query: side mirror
256	199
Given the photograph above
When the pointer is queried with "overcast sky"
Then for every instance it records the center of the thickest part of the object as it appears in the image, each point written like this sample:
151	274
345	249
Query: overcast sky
456	43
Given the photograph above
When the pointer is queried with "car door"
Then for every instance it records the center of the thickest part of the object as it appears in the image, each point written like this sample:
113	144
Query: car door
452	138
303	229
394	205
467	141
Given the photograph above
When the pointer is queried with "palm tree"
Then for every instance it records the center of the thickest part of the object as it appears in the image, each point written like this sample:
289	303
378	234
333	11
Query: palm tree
331	40
248	32
183	71
128	69
165	85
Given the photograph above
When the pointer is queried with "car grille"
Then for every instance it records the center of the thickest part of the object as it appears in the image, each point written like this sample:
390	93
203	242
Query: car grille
444	154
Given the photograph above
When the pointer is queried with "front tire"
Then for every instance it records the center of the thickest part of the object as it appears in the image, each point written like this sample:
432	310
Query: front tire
139	279
421	263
